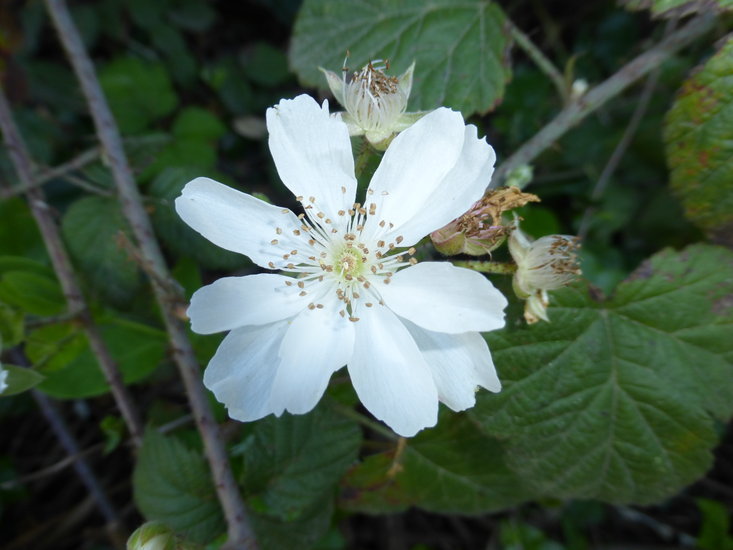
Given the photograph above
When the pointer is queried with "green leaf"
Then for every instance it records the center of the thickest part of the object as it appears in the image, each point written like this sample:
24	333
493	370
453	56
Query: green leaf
678	8
460	49
172	484
266	65
19	379
292	461
699	143
178	236
12	328
32	292
95	231
452	468
18	233
615	400
301	533
139	93
113	428
197	124
715	524
71	369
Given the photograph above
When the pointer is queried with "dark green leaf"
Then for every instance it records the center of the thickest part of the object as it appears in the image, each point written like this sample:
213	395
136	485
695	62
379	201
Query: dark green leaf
715	524
615	400
172	484
292	461
96	232
460	49
699	139
139	93
452	468
266	65
71	369
301	533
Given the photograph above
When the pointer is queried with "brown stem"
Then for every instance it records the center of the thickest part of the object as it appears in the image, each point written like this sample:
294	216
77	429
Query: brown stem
588	103
75	301
167	294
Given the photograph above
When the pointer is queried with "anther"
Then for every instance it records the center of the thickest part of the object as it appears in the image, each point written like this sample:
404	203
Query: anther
293	252
399	239
301	284
278	231
319	306
312	199
288	283
341	212
273	241
311	306
303	292
385	193
271	265
343	189
296	232
353	319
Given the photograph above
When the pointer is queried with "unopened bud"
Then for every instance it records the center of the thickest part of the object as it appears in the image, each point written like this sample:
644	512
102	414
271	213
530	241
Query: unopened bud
578	89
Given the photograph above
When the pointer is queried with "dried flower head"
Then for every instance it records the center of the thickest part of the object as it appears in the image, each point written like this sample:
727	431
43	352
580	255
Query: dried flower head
546	264
481	230
375	103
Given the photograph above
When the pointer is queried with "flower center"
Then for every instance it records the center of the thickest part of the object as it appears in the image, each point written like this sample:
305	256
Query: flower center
349	263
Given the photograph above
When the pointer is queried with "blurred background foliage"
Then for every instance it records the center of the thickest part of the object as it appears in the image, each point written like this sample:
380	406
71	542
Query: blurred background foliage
189	82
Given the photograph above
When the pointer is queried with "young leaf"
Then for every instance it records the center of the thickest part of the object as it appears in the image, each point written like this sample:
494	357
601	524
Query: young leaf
699	141
460	49
615	400
172	484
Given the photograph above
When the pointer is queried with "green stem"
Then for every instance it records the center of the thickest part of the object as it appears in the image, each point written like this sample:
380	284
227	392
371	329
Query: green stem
497	268
361	419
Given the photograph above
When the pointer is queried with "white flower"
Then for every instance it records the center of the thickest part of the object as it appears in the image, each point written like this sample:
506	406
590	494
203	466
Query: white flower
375	103
546	264
3	379
410	337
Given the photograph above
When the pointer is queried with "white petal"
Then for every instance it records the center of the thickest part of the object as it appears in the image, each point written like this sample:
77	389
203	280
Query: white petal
239	222
455	193
441	297
312	153
242	371
389	373
233	302
318	342
412	168
459	363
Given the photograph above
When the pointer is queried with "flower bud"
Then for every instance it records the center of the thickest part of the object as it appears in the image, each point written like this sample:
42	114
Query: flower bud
545	264
375	103
156	536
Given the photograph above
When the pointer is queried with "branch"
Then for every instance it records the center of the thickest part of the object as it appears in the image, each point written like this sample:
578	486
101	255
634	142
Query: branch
240	533
87	157
588	103
76	304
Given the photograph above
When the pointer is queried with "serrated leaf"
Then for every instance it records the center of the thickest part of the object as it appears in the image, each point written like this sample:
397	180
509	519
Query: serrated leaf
19	379
699	143
615	400
459	48
301	533
678	8
172	484
63	355
139	92
178	236
290	462
452	468
94	230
